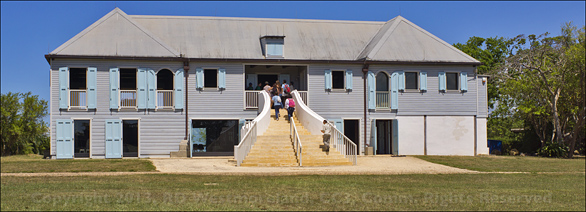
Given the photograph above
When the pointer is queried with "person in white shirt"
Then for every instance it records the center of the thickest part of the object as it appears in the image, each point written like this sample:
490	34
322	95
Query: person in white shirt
326	129
290	107
277	105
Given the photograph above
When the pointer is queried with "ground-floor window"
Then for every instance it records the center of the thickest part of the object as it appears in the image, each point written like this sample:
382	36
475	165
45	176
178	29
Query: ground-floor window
214	137
81	139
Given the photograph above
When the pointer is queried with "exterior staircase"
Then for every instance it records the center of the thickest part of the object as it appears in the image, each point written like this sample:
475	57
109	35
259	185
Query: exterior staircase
274	147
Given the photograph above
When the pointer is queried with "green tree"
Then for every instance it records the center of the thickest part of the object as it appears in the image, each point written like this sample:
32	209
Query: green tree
23	128
544	85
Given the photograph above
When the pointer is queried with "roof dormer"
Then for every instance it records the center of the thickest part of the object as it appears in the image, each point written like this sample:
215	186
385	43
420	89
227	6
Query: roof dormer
272	46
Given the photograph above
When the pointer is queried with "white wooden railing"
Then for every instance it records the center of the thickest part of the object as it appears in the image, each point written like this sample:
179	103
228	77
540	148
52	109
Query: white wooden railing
127	98
164	98
77	98
297	146
382	99
314	122
255	128
251	100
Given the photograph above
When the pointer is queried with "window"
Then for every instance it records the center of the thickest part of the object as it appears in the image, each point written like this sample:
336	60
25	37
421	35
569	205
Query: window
452	81
127	79
210	78
272	46
77	88
337	79
81	139
411	81
165	89
214	137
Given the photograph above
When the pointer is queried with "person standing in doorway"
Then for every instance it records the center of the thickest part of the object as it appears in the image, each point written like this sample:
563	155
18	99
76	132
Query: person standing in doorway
267	88
291	86
249	87
259	86
326	129
285	91
276	105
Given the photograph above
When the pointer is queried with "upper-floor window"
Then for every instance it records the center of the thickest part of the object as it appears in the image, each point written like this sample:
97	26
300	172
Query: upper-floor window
411	80
128	79
77	88
273	46
338	79
77	78
210	78
452	81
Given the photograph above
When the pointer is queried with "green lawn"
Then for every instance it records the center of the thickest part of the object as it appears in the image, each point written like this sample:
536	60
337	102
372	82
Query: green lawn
35	163
363	192
510	163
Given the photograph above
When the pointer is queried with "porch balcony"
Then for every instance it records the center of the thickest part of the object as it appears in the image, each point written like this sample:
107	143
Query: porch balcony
127	98
164	99
77	99
383	100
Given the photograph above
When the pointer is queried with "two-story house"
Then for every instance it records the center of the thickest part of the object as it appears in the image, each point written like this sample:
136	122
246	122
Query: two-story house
137	85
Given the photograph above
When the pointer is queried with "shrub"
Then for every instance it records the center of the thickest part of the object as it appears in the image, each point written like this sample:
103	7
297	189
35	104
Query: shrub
553	150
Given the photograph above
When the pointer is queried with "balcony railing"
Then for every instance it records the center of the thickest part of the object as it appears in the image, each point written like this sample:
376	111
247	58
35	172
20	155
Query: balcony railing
77	98
251	99
165	99
128	98
383	99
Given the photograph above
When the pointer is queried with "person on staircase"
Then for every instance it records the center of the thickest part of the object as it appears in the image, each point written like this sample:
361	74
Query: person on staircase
276	104
290	106
326	129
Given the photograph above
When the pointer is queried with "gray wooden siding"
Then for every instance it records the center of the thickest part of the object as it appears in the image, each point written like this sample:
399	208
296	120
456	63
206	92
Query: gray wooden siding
160	131
482	99
215	104
335	103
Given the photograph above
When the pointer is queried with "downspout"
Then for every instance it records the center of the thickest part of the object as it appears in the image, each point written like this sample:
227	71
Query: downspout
186	72
365	72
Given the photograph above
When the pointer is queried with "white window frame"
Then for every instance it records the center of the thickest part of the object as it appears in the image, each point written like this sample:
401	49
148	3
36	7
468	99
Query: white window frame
457	81
217	78
157	89
343	79
418	83
78	108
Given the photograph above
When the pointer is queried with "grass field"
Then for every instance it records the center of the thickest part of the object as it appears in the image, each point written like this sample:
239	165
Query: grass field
510	163
34	163
364	192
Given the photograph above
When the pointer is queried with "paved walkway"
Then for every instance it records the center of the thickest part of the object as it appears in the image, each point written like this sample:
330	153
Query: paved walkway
366	165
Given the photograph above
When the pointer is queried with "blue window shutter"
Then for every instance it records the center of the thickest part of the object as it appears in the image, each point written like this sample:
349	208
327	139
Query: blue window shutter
423	81
442	80
64	131
63	88
189	133
395	126
114	100
339	123
241	133
373	135
463	81
92	96
401	80
371	91
199	78
113	138
178	98
222	79
348	80
395	82
328	79
141	88
151	89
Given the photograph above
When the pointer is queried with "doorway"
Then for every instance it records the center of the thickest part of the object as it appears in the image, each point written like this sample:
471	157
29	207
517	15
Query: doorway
81	138
129	138
384	137
351	131
271	78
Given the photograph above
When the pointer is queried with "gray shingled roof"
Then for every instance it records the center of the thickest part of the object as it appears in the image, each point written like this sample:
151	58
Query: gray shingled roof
119	34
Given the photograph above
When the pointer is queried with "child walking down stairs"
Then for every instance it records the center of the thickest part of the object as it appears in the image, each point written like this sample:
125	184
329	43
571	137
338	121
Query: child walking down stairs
275	148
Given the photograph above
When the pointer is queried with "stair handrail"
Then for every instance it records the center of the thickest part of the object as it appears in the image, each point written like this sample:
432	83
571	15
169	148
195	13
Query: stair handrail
297	146
314	122
257	127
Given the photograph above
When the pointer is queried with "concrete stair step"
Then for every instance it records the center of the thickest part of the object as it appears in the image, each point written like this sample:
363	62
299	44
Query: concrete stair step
269	164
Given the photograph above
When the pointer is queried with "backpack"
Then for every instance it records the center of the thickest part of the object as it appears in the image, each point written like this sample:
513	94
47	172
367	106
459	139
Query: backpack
287	89
291	103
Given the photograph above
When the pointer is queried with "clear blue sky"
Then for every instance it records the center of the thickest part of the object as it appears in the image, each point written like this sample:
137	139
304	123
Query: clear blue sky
32	29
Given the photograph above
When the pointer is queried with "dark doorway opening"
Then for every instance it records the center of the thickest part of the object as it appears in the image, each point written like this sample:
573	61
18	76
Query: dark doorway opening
81	138
214	137
129	138
384	137
351	131
165	80
271	78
